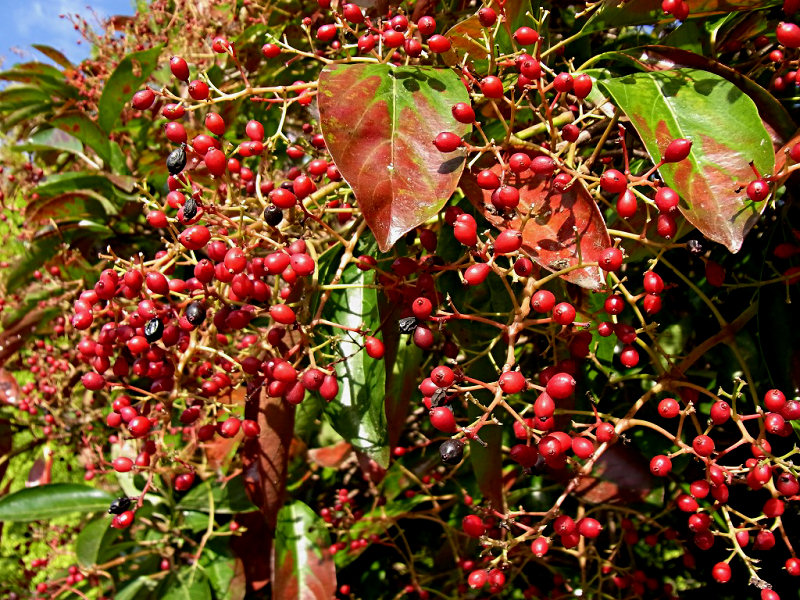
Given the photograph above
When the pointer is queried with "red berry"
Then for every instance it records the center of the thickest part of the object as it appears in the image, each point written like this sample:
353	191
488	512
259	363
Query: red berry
373	347
666	199
627	204
463	113
198	89
526	36
438	44
561	386
487	16
492	87
473	526
703	445
589	527
447	142
677	150
477	273
613	182
653	284
660	466
669	408
426	25
512	382
611	259
721	572
442	418
508	242
564	313
581	85
543	301
540	546
788	34
179	68
143	99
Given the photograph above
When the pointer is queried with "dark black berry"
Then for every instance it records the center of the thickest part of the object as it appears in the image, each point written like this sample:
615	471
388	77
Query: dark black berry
176	161
288	185
408	324
189	209
153	330
196	313
119	506
273	215
451	451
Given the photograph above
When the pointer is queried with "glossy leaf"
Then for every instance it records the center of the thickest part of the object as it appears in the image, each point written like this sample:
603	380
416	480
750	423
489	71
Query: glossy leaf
467	37
727	134
228	498
187	584
776	118
220	568
75	181
93	537
565	228
50	139
138	588
131	73
379	123
82	127
55	55
53	500
358	413
69	207
613	13
303	569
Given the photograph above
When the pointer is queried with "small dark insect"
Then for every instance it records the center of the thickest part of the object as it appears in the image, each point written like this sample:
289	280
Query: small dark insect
439	398
408	324
119	506
273	215
451	451
695	247
196	313
176	160
153	330
189	209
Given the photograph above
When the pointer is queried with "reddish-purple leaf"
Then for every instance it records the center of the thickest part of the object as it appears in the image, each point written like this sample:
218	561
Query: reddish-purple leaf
303	569
379	123
727	135
564	229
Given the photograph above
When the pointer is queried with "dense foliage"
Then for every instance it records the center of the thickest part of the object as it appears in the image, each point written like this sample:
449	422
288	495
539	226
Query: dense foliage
419	299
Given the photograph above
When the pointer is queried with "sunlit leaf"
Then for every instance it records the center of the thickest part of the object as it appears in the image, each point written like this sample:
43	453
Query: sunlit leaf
130	74
564	229
55	55
613	13
53	500
92	539
727	134
358	413
302	569
50	139
379	123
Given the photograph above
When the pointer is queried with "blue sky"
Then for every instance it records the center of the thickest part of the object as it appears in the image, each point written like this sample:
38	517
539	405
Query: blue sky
26	22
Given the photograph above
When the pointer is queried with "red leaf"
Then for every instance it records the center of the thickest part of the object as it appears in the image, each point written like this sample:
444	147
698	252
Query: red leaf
331	456
265	461
565	228
379	123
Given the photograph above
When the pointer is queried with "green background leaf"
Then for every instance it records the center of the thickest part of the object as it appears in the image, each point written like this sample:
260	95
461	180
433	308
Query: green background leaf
53	500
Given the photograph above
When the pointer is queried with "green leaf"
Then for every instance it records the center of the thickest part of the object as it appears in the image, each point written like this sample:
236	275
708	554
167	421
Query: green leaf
95	536
137	589
50	139
21	95
220	568
82	127
75	181
127	78
55	55
358	413
302	568
187	584
31	258
52	500
726	132
379	123
228	498
613	13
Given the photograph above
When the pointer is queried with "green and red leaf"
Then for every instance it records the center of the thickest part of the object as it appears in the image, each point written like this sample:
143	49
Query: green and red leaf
613	13
564	228
302	567
727	134
379	123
